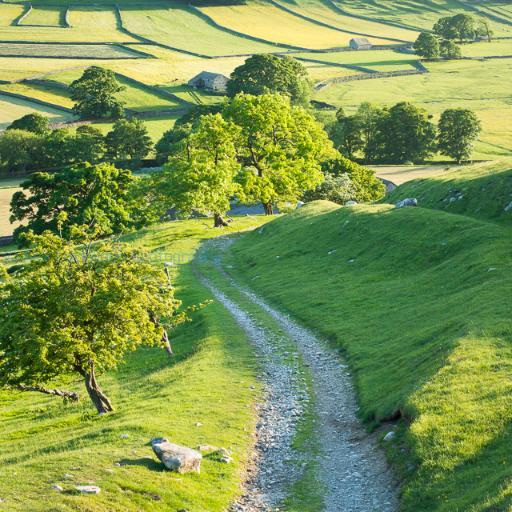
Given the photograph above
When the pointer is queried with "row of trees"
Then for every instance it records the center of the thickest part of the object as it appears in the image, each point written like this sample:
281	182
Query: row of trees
441	41
29	143
404	133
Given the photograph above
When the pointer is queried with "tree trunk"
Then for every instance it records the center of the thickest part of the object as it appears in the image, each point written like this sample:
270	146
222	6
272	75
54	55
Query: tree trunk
167	343
68	395
269	210
98	398
218	221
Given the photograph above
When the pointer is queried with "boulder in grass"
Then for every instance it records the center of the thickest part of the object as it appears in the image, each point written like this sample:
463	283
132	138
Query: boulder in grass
409	201
177	458
88	489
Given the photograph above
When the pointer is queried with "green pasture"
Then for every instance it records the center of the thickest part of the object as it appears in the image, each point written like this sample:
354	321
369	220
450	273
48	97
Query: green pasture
418	14
204	395
326	13
418	301
44	16
180	27
481	86
68	51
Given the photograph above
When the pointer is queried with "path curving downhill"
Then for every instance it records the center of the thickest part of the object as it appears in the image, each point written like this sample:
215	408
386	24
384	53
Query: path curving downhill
351	467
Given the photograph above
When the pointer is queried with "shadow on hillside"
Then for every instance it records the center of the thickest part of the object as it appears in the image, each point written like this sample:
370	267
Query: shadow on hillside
146	462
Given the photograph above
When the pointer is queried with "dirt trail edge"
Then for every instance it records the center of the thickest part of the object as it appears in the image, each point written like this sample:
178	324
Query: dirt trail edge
351	466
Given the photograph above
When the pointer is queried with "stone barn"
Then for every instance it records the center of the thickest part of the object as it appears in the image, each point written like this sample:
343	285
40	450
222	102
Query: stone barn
209	82
360	43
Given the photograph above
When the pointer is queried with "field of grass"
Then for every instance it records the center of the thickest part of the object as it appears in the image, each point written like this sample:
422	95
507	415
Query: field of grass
180	27
9	13
71	51
418	301
273	24
209	382
11	108
503	47
480	86
44	17
482	191
40	92
416	14
400	174
325	13
98	20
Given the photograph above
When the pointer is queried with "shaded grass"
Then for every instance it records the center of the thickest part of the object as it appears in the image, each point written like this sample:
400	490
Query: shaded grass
208	381
482	191
408	296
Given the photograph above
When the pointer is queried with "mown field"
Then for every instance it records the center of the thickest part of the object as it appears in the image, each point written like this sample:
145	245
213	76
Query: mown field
211	381
178	41
418	301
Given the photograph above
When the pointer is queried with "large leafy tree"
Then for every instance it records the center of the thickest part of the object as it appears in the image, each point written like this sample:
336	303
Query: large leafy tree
199	176
77	310
461	26
95	195
427	45
128	141
458	130
281	149
347	134
450	50
268	73
338	189
406	134
20	150
88	144
95	94
34	122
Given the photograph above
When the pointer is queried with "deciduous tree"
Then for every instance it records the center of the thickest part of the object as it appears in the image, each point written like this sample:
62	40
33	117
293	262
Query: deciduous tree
281	149
458	130
78	310
199	176
95	94
128	141
95	195
34	122
427	45
271	74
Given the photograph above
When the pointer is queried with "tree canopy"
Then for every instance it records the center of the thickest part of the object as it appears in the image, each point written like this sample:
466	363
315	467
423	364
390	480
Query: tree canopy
95	94
95	195
78	310
128	141
280	150
427	45
458	130
199	176
269	73
34	122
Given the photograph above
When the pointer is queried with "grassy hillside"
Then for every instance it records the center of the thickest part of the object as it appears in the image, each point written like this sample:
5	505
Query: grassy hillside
208	382
419	302
483	191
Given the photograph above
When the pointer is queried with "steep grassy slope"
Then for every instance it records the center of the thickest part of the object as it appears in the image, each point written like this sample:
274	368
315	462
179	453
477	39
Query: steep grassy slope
482	191
208	382
419	301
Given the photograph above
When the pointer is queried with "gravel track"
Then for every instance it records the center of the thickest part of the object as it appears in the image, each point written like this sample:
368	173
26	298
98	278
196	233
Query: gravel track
351	467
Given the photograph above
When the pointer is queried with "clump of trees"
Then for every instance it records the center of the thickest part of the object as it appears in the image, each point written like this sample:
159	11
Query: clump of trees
78	309
260	148
30	144
95	94
268	73
402	133
441	41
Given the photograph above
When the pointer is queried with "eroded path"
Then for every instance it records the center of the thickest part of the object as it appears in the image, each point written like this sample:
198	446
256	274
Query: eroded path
350	466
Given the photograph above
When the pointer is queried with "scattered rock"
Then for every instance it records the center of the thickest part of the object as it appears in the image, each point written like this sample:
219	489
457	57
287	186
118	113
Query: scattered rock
109	470
389	436
67	476
198	424
409	201
207	448
508	207
300	204
88	489
57	487
225	460
351	203
124	436
177	458
491	269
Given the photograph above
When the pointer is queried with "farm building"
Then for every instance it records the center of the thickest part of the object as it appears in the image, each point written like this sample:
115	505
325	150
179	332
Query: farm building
360	43
209	81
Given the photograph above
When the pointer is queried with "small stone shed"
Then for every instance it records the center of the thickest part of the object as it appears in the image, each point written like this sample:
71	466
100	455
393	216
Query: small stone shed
209	81
360	43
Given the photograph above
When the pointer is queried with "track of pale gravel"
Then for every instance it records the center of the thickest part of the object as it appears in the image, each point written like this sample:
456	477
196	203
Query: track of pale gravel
351	467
